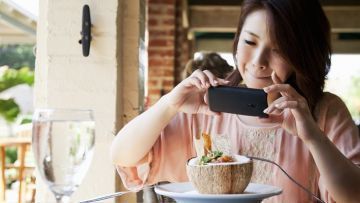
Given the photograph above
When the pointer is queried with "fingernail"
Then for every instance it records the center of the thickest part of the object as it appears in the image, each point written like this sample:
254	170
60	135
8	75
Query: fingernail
215	82
266	110
226	81
277	105
266	89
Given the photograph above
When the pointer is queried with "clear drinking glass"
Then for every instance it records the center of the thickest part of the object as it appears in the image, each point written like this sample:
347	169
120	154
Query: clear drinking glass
63	145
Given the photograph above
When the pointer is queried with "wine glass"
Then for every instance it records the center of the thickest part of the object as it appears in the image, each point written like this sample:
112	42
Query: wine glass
63	146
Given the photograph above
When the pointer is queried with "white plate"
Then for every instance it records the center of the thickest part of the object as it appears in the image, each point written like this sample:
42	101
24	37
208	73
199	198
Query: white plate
185	192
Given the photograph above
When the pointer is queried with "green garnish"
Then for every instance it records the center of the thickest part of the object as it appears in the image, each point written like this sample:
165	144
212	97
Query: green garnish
212	155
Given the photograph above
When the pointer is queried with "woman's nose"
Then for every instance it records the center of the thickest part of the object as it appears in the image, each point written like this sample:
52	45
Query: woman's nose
260	59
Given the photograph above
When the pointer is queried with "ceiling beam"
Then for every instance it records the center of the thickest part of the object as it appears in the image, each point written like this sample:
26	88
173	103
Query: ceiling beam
344	18
16	39
224	18
18	21
239	2
213	18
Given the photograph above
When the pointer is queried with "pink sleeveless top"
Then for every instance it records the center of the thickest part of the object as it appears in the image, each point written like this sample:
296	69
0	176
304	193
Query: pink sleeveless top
177	143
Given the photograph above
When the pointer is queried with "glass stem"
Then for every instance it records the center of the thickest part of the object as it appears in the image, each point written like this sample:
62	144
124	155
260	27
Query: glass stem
62	199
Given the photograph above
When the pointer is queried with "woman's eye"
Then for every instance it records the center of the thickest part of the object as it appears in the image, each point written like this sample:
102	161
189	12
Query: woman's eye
249	42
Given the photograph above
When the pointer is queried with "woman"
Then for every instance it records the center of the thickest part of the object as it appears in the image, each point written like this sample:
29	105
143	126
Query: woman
282	46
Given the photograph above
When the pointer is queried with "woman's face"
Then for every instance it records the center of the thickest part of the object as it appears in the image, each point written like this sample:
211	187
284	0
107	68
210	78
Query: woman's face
257	56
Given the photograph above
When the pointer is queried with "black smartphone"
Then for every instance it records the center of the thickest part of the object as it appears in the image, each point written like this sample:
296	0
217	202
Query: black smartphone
238	100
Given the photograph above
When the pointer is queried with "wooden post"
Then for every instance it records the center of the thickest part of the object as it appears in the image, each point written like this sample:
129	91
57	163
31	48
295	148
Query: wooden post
2	174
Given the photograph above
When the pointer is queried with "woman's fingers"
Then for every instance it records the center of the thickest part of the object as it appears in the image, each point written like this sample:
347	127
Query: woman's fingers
279	107
284	89
206	99
202	77
271	108
211	78
194	81
276	111
287	104
214	81
293	99
207	79
275	78
222	81
272	119
280	104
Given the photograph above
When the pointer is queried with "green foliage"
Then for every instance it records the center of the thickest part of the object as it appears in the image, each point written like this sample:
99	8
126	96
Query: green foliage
10	78
9	109
13	77
11	154
25	121
17	56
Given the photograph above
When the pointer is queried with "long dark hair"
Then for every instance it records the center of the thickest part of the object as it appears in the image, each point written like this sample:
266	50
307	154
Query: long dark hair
302	33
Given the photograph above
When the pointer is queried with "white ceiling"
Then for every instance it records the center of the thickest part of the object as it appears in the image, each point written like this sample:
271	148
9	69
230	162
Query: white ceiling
18	21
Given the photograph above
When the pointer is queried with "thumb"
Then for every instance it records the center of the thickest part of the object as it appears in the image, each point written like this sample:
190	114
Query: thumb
273	96
206	98
205	108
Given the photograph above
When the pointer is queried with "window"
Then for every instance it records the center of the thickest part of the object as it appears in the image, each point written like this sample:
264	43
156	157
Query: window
344	81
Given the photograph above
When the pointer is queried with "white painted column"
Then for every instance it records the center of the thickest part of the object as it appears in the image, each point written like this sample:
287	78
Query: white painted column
66	79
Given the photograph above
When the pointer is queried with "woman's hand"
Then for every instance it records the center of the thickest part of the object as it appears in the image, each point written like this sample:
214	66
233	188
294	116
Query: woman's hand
190	96
291	110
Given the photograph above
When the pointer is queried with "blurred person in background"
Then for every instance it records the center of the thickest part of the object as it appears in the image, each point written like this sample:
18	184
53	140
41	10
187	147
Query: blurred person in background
208	61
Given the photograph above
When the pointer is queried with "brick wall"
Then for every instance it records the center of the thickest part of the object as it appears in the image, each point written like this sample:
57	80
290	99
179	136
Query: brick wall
182	44
167	49
161	27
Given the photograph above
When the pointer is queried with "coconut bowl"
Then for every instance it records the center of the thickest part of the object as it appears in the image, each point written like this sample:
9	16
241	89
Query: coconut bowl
220	178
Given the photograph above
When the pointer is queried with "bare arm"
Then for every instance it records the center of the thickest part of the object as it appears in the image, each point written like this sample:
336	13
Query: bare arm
136	139
340	175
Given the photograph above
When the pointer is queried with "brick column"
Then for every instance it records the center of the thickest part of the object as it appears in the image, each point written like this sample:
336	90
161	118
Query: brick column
182	44
161	27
